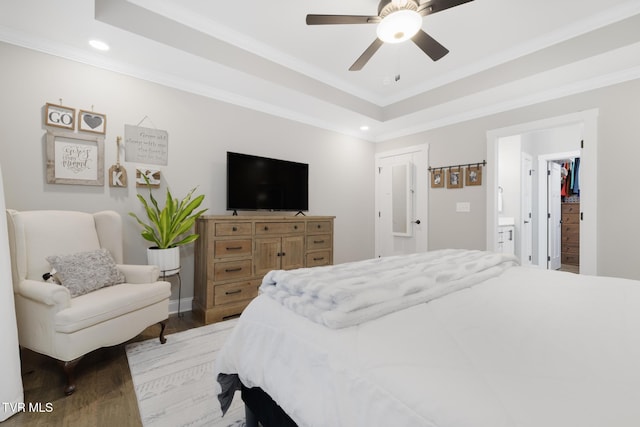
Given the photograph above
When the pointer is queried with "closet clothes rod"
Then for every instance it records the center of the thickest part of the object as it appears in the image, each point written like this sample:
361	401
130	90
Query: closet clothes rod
483	163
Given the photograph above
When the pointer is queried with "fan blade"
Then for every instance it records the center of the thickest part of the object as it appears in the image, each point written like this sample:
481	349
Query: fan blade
434	6
341	19
429	45
366	55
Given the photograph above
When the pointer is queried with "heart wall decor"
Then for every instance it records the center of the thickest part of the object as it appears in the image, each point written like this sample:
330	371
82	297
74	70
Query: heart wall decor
92	122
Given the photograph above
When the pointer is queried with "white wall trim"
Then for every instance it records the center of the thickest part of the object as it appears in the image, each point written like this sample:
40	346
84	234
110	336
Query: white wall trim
185	305
427	119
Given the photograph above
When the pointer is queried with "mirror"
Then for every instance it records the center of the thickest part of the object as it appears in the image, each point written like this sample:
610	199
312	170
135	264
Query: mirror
401	199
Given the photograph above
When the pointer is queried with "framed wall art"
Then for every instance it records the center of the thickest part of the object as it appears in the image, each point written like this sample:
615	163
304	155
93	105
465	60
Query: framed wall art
437	178
75	159
473	175
60	116
454	178
88	121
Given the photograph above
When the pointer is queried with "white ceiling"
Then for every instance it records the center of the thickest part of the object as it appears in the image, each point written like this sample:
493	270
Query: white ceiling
503	54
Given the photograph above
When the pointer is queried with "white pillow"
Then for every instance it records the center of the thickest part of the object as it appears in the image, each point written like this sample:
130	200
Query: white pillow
84	272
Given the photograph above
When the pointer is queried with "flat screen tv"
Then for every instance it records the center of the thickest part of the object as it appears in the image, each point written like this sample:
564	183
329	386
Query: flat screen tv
261	183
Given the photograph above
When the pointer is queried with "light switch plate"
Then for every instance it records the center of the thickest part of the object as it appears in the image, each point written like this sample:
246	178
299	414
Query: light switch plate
463	207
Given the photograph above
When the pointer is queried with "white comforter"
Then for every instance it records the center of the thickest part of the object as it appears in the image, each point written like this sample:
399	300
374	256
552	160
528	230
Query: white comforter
348	294
528	348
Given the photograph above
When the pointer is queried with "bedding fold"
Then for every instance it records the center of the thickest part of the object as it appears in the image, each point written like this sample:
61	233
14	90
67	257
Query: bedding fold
348	294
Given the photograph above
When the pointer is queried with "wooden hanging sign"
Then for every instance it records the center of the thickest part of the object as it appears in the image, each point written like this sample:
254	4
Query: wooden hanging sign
117	173
153	176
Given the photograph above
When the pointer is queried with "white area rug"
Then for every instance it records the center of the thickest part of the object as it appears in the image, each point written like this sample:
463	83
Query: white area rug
174	382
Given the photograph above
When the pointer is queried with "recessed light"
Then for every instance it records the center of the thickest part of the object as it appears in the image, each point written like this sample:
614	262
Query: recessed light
100	45
364	128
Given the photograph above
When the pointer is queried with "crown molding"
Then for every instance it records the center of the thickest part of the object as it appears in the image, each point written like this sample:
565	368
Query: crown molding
515	103
327	114
220	31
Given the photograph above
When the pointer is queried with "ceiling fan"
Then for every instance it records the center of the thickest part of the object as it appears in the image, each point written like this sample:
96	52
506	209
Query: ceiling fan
398	21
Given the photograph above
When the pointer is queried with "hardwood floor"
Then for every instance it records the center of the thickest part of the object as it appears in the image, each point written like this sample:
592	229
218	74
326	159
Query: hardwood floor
570	268
104	394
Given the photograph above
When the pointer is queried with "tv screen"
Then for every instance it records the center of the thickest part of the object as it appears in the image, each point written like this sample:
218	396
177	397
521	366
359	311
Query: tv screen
261	183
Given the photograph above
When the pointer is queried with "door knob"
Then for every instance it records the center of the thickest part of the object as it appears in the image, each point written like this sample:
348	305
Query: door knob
417	221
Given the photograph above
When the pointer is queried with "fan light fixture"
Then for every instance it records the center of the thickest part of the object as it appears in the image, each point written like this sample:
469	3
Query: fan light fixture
399	26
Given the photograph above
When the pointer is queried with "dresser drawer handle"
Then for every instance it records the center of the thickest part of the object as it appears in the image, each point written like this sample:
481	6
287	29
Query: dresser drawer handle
234	248
232	270
295	227
318	258
234	229
237	291
319	226
266	228
318	241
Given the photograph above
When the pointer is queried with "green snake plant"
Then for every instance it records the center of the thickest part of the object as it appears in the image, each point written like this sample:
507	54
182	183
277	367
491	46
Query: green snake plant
166	227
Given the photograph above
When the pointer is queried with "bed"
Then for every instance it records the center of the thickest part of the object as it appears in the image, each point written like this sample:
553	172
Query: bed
487	344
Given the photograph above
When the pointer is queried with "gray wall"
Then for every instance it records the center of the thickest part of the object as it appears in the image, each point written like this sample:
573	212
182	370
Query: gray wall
200	129
618	151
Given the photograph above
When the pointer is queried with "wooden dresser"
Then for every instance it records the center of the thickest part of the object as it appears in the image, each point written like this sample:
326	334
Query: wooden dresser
233	254
570	238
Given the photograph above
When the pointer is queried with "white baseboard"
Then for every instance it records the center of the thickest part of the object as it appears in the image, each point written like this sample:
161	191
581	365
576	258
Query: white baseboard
185	305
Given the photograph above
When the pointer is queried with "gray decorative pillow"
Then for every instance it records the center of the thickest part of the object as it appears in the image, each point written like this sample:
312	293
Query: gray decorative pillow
84	272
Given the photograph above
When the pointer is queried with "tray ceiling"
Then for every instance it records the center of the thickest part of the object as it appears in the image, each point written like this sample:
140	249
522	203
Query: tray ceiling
261	55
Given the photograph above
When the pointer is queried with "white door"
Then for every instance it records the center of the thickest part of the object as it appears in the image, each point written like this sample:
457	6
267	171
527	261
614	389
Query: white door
526	229
401	202
554	215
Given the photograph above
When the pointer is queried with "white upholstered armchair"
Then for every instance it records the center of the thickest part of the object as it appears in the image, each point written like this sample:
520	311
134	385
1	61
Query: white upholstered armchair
50	319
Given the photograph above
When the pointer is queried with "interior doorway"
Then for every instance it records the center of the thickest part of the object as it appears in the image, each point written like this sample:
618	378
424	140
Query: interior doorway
401	201
533	139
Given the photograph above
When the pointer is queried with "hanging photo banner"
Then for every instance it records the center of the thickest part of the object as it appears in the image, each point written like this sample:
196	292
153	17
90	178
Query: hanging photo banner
146	145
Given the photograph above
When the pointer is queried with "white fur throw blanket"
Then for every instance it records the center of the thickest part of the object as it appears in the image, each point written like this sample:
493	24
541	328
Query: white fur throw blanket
348	294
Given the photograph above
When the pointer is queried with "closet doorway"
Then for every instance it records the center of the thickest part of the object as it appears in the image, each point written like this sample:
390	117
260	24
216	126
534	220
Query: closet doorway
562	210
545	141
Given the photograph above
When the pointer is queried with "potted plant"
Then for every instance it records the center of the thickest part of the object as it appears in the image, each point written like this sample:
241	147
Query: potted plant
166	227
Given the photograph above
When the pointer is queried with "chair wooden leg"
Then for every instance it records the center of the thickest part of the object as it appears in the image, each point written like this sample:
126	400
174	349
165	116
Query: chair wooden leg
69	371
163	325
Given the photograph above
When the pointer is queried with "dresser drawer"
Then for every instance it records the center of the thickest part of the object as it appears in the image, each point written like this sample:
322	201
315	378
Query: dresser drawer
232	270
315	259
319	227
571	208
570	237
570	219
236	291
320	241
570	228
233	229
571	259
232	248
266	228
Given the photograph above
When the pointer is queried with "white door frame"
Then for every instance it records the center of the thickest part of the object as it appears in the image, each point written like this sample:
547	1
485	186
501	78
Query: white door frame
588	179
421	186
526	209
554	215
